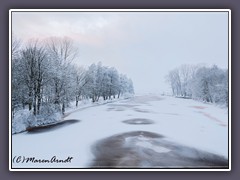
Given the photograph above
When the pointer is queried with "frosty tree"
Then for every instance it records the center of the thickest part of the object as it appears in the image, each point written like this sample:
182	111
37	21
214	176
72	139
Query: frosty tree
62	53
45	80
199	82
105	82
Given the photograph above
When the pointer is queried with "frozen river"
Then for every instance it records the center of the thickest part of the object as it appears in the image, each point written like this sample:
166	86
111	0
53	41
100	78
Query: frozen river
144	131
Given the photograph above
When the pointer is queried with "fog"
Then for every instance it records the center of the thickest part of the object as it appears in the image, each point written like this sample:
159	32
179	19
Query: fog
143	45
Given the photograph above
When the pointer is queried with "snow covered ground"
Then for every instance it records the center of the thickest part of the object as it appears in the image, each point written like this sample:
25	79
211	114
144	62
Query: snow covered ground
188	122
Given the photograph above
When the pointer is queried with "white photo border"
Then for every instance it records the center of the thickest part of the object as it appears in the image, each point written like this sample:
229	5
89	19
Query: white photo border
120	10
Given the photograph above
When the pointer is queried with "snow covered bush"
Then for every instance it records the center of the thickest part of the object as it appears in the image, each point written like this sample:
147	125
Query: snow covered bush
24	119
48	114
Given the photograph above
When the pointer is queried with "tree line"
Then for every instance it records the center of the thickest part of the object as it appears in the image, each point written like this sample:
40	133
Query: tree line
44	77
208	84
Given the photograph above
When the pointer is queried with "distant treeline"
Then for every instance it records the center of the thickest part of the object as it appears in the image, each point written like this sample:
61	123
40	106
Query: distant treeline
209	84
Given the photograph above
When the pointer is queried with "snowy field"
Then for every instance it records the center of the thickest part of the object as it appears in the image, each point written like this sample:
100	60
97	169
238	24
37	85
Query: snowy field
186	122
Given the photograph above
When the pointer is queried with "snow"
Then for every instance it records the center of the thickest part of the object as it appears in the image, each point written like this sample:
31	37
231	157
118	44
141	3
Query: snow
25	119
148	145
19	122
188	122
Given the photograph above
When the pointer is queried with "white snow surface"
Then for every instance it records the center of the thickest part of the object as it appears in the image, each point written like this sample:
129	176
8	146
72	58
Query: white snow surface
148	145
185	121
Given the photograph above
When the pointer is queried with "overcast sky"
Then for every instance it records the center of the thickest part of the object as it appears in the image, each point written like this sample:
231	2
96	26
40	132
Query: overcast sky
143	45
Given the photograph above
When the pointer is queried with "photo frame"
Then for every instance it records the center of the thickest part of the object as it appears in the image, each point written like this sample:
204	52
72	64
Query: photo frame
162	168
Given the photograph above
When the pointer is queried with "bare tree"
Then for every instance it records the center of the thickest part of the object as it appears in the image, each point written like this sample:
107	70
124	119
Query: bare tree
63	48
34	66
16	45
173	78
62	52
81	81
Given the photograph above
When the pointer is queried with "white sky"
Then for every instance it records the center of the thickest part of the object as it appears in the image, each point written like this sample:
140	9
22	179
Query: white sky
143	45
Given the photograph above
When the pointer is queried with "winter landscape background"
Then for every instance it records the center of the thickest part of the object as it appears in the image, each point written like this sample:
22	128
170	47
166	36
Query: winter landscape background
119	89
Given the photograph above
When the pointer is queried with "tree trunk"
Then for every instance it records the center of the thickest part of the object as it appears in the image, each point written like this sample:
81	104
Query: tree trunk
77	101
38	97
30	100
63	108
34	107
